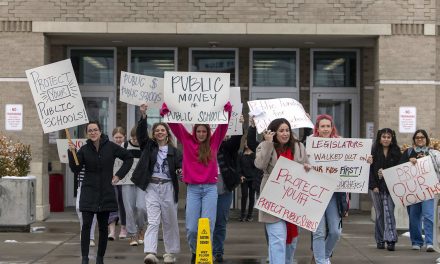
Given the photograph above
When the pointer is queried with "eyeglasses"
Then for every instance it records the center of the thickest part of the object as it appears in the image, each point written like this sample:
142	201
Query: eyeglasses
420	138
90	131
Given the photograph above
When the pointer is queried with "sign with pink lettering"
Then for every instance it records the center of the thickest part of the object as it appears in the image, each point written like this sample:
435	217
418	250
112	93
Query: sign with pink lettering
296	196
412	183
344	157
63	146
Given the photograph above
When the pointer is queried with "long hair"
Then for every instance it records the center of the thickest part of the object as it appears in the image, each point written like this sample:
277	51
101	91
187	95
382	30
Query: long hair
377	150
205	146
273	126
425	134
334	133
167	128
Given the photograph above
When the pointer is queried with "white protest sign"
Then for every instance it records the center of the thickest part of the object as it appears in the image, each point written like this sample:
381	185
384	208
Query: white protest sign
407	119
139	89
235	127
264	111
57	96
127	178
344	157
63	146
14	117
196	97
412	183
295	195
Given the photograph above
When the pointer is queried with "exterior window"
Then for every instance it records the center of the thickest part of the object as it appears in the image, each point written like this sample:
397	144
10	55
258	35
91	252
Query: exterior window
151	63
334	69
93	67
214	61
274	69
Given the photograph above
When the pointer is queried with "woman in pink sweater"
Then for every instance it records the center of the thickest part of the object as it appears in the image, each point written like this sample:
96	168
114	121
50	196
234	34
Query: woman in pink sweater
200	171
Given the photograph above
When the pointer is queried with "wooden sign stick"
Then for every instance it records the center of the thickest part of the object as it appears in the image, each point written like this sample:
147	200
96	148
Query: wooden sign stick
73	152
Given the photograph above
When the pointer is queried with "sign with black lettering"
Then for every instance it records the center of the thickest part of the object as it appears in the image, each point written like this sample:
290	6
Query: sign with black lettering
57	96
139	89
344	157
196	97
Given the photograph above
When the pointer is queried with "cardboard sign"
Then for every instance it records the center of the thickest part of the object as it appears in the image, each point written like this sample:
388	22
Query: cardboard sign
235	127
139	89
264	111
344	157
14	117
127	178
63	146
412	183
204	245
196	97
295	195
57	96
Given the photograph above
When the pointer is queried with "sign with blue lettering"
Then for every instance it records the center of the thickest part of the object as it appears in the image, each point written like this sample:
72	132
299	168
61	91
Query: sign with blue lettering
196	97
139	89
57	96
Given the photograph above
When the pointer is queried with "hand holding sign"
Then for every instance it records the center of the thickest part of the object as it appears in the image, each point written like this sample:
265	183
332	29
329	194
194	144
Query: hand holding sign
143	109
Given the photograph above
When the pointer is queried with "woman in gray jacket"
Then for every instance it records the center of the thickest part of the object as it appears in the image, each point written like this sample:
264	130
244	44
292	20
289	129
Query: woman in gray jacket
279	141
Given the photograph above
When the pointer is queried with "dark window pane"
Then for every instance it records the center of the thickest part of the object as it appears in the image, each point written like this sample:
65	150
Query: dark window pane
93	66
274	68
152	62
214	61
334	69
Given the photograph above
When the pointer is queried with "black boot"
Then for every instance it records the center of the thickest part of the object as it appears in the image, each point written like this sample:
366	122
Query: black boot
391	246
85	260
99	260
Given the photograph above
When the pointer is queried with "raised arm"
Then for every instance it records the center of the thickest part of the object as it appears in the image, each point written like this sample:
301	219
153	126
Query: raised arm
222	129
142	127
178	129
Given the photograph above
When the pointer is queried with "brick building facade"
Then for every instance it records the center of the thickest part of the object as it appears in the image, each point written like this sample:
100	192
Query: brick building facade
380	55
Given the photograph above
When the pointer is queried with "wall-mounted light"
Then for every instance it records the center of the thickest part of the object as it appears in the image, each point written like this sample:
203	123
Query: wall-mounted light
213	44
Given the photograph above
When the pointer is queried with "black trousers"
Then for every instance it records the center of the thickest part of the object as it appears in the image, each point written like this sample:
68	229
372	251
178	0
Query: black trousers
102	218
247	190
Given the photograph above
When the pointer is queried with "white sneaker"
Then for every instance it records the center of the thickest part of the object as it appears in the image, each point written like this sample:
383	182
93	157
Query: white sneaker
438	261
92	243
415	247
151	259
169	258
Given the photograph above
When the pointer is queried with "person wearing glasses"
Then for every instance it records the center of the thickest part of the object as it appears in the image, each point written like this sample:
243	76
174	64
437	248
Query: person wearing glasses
425	209
98	197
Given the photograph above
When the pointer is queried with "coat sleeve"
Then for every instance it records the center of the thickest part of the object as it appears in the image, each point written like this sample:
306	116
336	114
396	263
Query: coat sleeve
405	157
179	131
126	157
373	183
264	155
73	167
252	138
142	133
220	132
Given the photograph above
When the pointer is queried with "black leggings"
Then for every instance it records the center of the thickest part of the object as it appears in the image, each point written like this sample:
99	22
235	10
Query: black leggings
102	218
247	190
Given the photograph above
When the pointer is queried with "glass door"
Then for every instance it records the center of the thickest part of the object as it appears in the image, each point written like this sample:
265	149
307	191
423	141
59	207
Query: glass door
99	106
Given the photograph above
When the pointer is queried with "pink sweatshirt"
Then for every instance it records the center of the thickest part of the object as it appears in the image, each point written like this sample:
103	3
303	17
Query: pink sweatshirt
195	172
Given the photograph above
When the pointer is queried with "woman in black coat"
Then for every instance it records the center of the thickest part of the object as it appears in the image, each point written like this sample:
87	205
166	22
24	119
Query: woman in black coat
97	192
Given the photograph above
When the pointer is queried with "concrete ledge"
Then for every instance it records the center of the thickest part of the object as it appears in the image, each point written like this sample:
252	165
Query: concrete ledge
353	29
134	27
211	28
429	30
281	28
69	27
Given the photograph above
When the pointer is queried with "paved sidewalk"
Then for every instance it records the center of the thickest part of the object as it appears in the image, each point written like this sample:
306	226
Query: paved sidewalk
245	243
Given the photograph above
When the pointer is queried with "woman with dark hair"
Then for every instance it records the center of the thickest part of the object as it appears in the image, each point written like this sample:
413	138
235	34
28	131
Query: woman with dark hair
329	230
200	172
279	141
386	153
157	174
425	209
97	157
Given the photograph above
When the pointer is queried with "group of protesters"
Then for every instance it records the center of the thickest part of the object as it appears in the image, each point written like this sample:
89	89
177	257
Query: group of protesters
211	166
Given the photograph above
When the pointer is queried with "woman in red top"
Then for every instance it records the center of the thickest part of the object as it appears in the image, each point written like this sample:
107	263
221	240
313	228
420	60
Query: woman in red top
279	140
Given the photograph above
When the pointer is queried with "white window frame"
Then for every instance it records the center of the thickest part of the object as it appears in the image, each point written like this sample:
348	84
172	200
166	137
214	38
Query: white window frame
131	109
237	79
273	91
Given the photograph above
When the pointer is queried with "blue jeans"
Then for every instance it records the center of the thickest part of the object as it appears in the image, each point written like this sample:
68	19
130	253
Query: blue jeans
416	212
279	251
325	242
201	202
223	205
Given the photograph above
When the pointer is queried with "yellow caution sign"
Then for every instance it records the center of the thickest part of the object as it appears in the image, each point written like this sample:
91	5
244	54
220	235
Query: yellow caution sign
204	248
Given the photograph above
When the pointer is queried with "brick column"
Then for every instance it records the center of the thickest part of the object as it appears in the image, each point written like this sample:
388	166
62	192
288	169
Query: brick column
21	51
